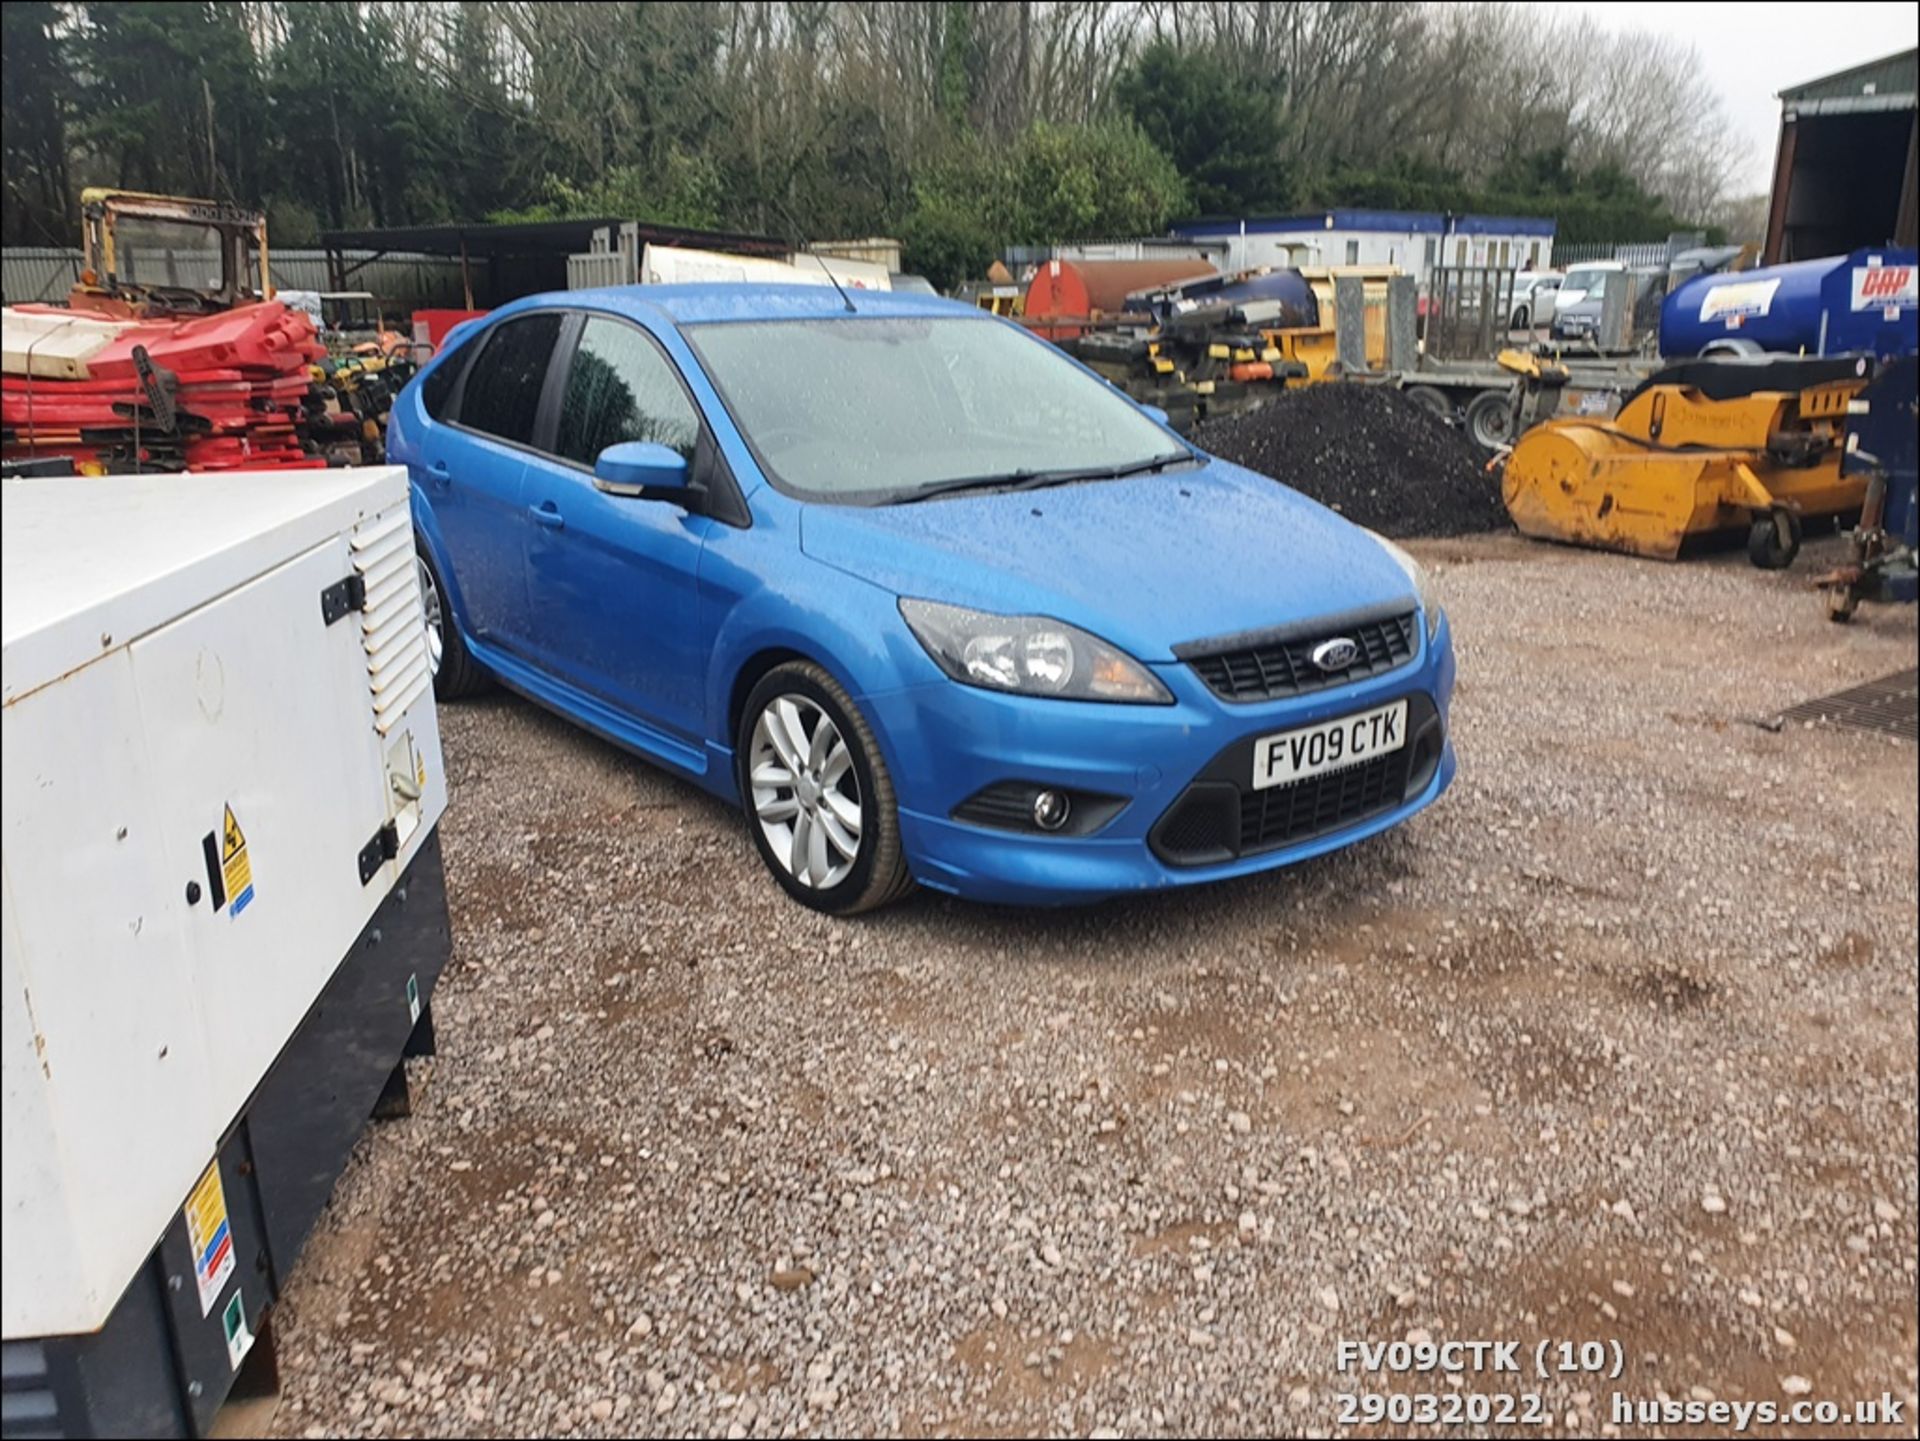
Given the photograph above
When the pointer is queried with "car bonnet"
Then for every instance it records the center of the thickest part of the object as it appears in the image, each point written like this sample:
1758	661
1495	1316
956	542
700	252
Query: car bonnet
1147	562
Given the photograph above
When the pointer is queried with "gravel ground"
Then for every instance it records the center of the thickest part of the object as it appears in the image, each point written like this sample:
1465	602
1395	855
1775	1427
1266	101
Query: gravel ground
1369	453
1617	1042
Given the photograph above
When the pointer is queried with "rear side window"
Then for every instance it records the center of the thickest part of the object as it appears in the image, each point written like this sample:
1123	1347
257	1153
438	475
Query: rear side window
621	388
502	395
436	391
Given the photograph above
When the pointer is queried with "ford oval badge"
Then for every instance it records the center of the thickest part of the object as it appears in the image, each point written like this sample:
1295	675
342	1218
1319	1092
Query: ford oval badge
1336	654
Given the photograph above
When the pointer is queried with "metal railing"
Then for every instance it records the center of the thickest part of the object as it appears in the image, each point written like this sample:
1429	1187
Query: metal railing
1650	252
1467	312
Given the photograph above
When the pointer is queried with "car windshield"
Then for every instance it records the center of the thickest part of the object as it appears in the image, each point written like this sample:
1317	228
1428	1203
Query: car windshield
867	410
1593	282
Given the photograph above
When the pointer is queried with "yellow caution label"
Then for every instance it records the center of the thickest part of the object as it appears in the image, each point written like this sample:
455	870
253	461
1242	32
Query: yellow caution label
209	1235
236	867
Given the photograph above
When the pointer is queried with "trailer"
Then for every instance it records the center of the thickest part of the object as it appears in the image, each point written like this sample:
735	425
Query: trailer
224	914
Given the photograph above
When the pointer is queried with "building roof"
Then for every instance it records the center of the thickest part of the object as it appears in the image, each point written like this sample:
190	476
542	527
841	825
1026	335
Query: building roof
1889	83
1393	222
540	238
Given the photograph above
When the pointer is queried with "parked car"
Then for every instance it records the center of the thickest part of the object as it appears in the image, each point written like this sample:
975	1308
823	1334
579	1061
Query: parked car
1533	293
1581	291
1576	308
931	601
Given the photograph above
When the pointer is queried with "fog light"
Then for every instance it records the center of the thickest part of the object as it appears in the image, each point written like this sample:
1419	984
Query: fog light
1050	810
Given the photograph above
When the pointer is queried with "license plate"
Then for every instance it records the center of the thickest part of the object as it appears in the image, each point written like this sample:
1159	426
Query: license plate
1282	759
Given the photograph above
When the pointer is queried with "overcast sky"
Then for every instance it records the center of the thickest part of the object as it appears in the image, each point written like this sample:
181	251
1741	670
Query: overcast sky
1752	51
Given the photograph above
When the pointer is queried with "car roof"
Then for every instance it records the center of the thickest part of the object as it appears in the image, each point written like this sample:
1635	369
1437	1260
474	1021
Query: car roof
744	301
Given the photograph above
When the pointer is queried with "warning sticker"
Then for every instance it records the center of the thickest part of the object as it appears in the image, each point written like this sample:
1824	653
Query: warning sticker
210	1236
236	869
233	1321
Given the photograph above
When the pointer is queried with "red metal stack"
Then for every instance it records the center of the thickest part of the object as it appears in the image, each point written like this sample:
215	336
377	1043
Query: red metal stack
239	385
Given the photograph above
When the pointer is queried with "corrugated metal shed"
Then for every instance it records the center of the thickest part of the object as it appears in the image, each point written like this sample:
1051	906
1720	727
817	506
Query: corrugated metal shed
1844	173
1889	83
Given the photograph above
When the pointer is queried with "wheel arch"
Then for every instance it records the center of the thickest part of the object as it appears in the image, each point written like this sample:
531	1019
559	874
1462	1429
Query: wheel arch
749	675
426	537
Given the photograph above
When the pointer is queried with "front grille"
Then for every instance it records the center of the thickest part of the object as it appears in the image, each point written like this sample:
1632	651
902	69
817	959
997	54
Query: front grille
1285	667
1221	816
1323	803
1201	826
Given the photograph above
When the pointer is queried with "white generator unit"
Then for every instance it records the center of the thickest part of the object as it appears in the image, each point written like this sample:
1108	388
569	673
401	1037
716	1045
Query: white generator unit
224	912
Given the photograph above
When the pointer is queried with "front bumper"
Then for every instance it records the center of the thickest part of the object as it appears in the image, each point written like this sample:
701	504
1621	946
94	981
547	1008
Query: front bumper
945	742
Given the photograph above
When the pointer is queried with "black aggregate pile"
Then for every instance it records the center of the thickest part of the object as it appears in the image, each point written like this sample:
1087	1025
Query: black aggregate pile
1369	453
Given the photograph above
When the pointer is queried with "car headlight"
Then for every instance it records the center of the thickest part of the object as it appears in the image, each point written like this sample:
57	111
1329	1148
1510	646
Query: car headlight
1028	655
1422	587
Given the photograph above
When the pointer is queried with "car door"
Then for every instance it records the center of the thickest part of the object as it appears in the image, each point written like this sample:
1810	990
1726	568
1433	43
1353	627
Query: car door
612	580
471	470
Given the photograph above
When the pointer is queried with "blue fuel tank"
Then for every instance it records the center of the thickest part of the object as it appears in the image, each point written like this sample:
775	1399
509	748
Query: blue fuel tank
1867	301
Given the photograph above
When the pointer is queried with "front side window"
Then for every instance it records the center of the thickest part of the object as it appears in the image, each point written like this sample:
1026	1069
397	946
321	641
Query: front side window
502	394
872	410
622	388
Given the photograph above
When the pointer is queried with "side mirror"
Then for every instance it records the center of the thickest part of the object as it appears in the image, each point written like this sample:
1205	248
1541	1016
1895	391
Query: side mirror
641	470
1155	413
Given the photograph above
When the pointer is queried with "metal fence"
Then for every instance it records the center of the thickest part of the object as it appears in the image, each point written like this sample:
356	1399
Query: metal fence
1653	252
401	279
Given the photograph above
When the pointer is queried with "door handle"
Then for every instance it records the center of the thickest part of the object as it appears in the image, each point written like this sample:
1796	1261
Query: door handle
548	516
439	475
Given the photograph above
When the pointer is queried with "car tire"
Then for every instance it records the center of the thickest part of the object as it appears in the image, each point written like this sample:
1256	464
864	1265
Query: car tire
1430	398
1521	320
456	674
802	826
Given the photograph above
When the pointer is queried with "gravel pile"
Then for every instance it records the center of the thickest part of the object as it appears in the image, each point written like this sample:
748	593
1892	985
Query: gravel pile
1615	1043
1368	452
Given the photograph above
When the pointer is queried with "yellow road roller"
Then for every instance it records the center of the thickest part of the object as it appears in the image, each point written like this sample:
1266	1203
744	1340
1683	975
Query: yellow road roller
1702	445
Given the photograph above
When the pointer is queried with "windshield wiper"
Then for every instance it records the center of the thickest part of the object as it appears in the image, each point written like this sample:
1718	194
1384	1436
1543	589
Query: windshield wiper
1015	480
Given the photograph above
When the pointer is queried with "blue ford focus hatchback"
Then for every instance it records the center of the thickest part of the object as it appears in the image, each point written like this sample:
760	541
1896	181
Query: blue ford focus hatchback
930	600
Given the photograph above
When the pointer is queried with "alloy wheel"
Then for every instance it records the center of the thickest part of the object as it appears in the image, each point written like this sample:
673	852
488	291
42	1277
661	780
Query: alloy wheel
805	791
430	605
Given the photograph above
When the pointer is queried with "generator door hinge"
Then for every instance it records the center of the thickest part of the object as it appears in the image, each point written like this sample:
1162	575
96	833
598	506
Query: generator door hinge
384	846
342	597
